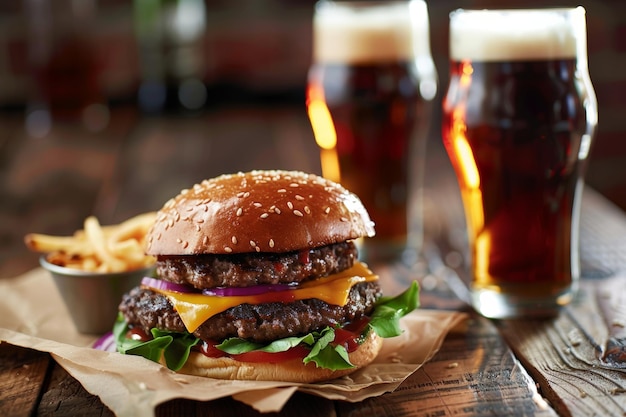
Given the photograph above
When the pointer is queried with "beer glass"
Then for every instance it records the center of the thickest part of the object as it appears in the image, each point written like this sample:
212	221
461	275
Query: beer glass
519	117
369	98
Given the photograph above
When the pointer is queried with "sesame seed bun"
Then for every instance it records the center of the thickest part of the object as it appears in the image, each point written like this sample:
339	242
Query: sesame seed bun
293	370
258	211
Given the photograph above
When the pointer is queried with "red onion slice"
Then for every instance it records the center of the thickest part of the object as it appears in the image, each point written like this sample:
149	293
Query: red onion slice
106	343
167	286
218	291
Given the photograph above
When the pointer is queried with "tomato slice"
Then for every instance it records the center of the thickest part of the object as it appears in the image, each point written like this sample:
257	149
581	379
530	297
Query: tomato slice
136	333
209	349
349	335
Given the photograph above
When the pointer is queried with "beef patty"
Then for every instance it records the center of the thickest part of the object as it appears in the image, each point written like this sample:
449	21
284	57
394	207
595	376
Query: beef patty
247	269
261	323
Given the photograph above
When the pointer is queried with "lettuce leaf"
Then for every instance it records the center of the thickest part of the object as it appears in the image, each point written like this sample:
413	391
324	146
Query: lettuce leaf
175	347
236	345
385	320
325	355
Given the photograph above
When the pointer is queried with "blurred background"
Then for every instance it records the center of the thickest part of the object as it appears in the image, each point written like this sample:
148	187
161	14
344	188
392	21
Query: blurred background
110	107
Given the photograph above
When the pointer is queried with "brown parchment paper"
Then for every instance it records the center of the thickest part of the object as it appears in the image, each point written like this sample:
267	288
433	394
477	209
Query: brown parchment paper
33	315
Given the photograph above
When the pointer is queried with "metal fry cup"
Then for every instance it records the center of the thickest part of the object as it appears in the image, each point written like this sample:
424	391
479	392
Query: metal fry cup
92	298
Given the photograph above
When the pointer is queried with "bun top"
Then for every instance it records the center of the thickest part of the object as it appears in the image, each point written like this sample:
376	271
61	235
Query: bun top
258	211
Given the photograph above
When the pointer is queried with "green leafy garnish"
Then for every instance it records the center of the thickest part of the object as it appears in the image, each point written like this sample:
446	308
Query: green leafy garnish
325	355
174	347
236	345
385	320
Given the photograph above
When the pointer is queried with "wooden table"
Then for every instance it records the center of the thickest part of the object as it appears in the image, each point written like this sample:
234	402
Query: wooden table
556	367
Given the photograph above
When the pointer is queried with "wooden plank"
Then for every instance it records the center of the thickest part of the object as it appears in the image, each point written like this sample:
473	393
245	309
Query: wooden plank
474	373
22	374
299	405
65	397
567	355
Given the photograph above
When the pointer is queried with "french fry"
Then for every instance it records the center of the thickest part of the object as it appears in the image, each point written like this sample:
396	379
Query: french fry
46	243
95	236
98	248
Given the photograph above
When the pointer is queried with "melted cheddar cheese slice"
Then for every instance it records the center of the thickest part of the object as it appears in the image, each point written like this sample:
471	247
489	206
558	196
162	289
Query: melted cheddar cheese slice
194	309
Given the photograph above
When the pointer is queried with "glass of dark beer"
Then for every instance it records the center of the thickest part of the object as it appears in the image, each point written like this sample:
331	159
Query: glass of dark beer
369	97
519	117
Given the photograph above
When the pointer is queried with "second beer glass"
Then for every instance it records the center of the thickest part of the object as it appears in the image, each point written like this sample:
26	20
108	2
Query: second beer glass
519	117
369	98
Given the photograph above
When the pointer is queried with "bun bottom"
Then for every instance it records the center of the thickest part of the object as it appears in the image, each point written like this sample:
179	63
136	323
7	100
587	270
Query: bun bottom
293	370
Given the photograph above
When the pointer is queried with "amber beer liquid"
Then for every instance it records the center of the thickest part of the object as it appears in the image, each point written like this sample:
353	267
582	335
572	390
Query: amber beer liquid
369	106
518	121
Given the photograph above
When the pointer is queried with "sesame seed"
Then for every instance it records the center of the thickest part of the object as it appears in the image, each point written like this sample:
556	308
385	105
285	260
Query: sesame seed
227	249
298	213
277	210
299	197
327	210
240	194
189	209
290	205
264	215
205	240
294	185
179	240
252	243
185	244
199	220
257	204
271	243
234	240
198	228
177	216
344	219
282	190
257	249
239	211
307	210
246	194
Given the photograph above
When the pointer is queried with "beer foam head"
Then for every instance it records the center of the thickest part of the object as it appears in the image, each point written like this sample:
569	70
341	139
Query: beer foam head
514	35
364	33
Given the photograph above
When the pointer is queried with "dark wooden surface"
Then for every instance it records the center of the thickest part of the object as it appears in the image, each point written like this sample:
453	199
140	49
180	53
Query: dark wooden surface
556	367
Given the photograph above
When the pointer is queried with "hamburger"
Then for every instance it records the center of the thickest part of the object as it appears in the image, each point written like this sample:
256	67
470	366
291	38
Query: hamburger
258	278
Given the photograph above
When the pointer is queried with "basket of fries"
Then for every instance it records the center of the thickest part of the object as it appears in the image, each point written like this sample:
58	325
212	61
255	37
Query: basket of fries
95	266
